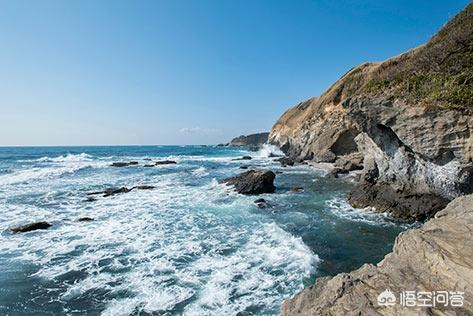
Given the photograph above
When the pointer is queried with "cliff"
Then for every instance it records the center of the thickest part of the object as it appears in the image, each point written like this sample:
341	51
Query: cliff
252	140
410	117
436	257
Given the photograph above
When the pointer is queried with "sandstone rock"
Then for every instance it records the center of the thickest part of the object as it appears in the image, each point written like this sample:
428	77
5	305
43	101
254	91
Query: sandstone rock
31	227
253	182
438	256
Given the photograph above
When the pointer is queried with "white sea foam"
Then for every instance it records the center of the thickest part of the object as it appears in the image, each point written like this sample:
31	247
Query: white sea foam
64	158
341	208
200	172
266	151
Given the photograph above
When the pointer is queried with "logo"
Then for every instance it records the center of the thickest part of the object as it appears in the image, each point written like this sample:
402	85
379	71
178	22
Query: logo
386	298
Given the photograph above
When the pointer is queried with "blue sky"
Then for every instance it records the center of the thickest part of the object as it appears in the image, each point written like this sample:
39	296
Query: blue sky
185	72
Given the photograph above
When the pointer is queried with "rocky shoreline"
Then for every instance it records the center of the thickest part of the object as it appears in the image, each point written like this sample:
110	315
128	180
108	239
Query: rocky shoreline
400	125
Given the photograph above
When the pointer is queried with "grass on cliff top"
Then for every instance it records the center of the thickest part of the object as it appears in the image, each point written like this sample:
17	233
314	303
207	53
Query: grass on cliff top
437	75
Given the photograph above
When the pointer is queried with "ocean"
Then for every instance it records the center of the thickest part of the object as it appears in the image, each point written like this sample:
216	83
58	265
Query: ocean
190	246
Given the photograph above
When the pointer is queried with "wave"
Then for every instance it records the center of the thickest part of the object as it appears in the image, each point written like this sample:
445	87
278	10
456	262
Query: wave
342	209
268	150
27	175
64	158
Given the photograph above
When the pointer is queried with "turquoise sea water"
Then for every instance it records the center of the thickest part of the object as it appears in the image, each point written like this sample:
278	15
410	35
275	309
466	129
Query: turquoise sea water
191	246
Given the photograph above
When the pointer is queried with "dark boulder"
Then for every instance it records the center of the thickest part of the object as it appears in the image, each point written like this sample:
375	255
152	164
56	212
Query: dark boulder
148	166
243	167
85	219
165	162
111	191
286	161
31	227
399	204
143	187
261	203
253	182
124	164
243	158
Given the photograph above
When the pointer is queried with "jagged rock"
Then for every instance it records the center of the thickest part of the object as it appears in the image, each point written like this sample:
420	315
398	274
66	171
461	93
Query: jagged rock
286	161
253	140
399	204
436	257
335	172
253	182
31	227
124	164
85	219
111	191
350	162
165	162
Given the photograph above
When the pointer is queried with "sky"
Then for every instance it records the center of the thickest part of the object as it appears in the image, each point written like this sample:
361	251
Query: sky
185	72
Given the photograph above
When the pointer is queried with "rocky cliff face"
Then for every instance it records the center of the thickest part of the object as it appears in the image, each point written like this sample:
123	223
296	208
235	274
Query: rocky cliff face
436	257
410	116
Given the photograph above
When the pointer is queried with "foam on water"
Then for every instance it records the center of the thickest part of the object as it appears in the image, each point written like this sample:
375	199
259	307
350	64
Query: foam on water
267	150
190	246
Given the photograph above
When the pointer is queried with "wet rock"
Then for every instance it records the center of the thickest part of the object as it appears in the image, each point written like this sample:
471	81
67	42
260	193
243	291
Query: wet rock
273	155
144	187
400	204
85	219
31	227
124	164
243	167
438	255
149	166
90	199
165	162
253	182
297	189
261	203
336	172
243	158
111	191
286	161
350	162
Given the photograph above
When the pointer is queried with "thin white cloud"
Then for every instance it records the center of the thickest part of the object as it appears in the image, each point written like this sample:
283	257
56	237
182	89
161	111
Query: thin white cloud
198	130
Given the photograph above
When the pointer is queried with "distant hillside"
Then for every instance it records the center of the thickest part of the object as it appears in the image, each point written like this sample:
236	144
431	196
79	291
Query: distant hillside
253	140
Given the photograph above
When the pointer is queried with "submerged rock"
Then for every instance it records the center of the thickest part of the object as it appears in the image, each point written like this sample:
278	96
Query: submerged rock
124	164
143	187
297	189
436	257
261	203
243	167
85	219
148	166
111	191
31	227
253	182
165	162
243	158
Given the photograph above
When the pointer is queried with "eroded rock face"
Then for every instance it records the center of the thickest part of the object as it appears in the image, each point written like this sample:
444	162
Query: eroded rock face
252	140
253	182
438	256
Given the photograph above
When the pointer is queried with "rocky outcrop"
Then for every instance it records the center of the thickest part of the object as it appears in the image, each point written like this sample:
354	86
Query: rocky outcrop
124	164
31	227
253	182
253	141
436	257
411	116
165	162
